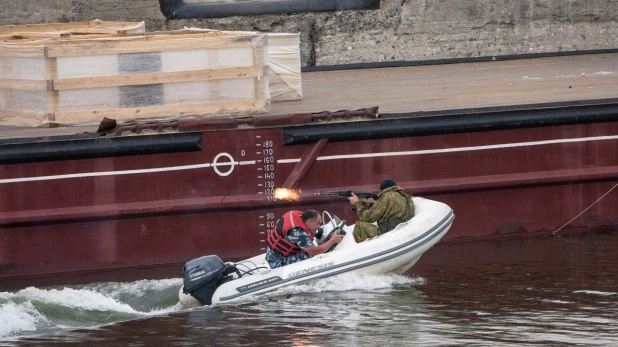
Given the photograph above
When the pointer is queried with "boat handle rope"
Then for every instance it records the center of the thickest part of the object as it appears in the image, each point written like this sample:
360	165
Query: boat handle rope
594	203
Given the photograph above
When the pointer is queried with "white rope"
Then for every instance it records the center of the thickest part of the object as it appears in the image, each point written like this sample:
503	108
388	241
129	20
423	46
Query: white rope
616	185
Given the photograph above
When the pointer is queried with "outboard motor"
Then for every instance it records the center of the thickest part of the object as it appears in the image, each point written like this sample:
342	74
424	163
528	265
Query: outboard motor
202	276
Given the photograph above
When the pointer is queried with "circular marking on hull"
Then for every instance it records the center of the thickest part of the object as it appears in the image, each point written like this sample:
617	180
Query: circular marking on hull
216	164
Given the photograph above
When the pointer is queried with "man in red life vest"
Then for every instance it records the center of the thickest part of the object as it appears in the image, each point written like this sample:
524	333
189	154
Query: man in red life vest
291	240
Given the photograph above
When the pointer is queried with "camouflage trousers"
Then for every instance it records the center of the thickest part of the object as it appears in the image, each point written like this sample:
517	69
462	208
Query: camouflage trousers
364	231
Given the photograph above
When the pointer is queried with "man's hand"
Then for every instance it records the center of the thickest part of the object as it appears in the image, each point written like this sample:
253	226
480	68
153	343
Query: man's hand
353	199
336	237
315	250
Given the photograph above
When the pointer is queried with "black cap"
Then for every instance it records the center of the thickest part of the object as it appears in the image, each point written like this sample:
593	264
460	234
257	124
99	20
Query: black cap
387	183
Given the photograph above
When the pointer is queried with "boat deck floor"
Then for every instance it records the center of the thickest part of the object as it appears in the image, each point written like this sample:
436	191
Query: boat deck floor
438	87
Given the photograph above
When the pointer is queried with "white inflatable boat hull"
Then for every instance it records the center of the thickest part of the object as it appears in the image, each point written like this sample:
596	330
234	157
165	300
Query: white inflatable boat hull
394	252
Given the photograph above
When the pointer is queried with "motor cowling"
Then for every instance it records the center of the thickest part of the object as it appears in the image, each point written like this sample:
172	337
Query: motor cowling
202	277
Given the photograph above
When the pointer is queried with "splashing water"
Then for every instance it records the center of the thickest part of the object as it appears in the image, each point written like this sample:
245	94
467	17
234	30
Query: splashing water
340	283
352	281
40	310
19	316
45	310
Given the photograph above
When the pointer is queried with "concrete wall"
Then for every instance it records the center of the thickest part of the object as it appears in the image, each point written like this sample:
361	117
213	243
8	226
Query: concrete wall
34	11
400	30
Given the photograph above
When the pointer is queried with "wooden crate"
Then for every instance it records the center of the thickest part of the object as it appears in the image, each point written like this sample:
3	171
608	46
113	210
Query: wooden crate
72	29
132	76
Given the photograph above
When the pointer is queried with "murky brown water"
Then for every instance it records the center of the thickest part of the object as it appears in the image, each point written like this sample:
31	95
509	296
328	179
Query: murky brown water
560	291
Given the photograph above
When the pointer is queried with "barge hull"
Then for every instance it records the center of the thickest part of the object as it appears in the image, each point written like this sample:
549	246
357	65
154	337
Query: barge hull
144	215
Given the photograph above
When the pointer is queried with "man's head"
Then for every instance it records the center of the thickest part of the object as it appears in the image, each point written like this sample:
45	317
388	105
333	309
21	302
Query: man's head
387	183
312	220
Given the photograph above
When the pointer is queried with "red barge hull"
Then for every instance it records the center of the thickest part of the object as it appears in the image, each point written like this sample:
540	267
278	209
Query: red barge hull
98	207
144	215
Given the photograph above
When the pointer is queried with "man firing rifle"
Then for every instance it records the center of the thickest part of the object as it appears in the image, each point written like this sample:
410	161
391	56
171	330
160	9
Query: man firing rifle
390	207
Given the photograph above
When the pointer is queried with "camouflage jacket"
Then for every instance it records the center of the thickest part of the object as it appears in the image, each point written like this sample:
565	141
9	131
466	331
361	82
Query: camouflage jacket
392	207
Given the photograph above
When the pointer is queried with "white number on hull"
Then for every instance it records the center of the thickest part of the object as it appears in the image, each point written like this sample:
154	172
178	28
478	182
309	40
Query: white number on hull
266	183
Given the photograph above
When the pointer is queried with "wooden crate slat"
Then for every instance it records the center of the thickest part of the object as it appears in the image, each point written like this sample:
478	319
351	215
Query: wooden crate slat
23	118
85	36
37	35
92	25
112	32
154	77
127	47
175	110
141	37
20	51
53	100
26	84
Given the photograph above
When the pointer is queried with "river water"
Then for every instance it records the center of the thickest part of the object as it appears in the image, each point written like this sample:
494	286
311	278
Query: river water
556	291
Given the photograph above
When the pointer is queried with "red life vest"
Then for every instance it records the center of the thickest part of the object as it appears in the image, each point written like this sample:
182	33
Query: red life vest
276	238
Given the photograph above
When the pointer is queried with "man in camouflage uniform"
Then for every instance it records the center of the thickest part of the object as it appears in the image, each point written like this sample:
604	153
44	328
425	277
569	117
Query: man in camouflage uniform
392	207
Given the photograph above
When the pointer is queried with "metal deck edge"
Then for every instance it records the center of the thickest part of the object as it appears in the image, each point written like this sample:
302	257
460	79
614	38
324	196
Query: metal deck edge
458	121
489	58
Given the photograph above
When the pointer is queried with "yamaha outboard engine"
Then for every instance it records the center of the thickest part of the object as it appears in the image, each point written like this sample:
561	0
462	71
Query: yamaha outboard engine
202	276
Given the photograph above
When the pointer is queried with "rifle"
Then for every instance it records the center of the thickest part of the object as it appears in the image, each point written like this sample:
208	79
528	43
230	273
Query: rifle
363	196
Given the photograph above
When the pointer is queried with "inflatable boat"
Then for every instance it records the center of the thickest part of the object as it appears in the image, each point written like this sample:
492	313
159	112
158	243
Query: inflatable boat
209	281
